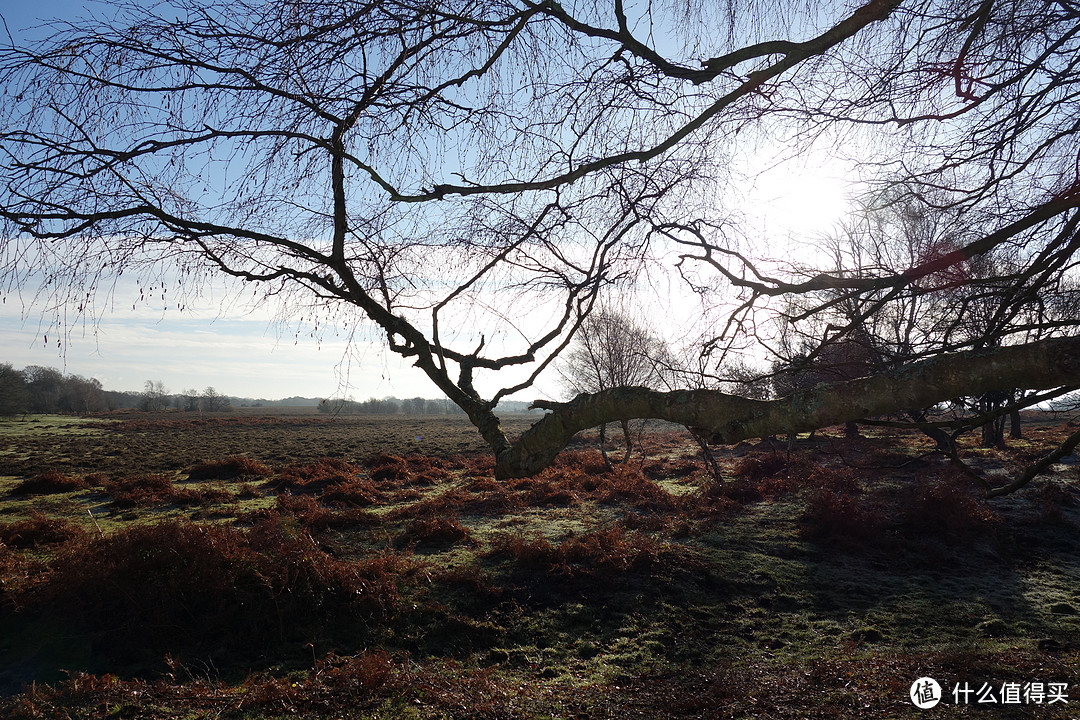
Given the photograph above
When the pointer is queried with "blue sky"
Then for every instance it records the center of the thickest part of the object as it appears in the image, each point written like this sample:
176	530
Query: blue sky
245	355
249	354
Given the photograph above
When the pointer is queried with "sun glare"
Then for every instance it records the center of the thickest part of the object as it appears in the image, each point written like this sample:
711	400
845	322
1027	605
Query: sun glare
799	200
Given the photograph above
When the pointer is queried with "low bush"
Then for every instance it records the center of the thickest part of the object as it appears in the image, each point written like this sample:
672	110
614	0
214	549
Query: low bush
434	530
413	469
386	468
839	517
159	489
49	482
315	476
532	550
757	465
141	490
39	529
316	517
945	508
216	591
608	550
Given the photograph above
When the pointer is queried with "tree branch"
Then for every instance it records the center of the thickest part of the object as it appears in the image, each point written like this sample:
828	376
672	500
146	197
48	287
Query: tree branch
729	419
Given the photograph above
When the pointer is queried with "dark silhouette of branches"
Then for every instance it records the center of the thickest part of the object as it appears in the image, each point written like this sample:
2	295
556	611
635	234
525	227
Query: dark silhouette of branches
470	180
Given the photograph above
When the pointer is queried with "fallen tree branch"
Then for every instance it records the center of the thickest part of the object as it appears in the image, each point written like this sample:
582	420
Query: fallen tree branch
728	419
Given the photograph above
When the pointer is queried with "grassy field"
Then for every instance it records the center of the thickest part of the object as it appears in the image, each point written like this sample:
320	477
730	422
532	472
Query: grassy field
290	565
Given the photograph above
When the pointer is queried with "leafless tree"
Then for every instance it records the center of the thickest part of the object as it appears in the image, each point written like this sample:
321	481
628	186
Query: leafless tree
155	396
428	170
213	401
986	301
611	350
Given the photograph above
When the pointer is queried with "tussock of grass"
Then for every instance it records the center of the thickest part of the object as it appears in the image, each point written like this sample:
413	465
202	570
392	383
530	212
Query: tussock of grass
49	481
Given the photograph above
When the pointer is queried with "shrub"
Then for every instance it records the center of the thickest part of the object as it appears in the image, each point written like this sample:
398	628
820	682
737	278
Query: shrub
531	551
386	468
316	516
590	462
607	550
732	493
315	476
839	517
755	466
360	492
39	529
426	469
49	482
141	490
945	508
434	529
610	549
182	587
632	488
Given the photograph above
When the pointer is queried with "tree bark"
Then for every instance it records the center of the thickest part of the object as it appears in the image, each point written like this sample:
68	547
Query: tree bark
728	419
1015	430
628	439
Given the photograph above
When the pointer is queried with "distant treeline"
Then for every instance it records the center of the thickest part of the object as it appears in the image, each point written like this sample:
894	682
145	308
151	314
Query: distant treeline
37	389
389	406
408	406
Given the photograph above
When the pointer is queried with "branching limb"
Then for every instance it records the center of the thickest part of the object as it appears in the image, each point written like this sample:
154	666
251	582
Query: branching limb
729	419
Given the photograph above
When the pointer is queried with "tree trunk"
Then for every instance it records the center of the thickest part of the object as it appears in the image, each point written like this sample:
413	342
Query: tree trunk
603	446
1015	432
628	439
993	434
726	418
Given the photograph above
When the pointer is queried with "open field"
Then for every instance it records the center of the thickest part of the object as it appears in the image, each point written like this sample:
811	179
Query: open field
273	566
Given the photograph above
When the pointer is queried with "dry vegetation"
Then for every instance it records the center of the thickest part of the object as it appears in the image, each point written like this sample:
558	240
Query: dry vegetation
272	567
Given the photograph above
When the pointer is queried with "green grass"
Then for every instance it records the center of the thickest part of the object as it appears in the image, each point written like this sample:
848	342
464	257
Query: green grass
45	425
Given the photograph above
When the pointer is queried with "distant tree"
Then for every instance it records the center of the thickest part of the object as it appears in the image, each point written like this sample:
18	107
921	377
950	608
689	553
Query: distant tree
612	351
81	396
213	401
45	386
388	406
155	396
122	399
187	400
414	406
14	395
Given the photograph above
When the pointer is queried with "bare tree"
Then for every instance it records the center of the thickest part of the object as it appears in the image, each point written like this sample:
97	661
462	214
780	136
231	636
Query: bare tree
155	396
188	400
213	401
985	301
470	180
611	351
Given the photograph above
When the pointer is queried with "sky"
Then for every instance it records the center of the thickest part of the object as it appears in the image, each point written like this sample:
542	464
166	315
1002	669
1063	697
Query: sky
248	354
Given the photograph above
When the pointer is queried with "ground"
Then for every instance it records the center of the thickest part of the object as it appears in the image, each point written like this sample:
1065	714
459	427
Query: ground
272	566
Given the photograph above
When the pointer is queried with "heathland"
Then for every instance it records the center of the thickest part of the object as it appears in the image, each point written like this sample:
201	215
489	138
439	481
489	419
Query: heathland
292	565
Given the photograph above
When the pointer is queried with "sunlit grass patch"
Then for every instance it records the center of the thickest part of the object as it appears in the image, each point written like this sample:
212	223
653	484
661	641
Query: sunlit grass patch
47	425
